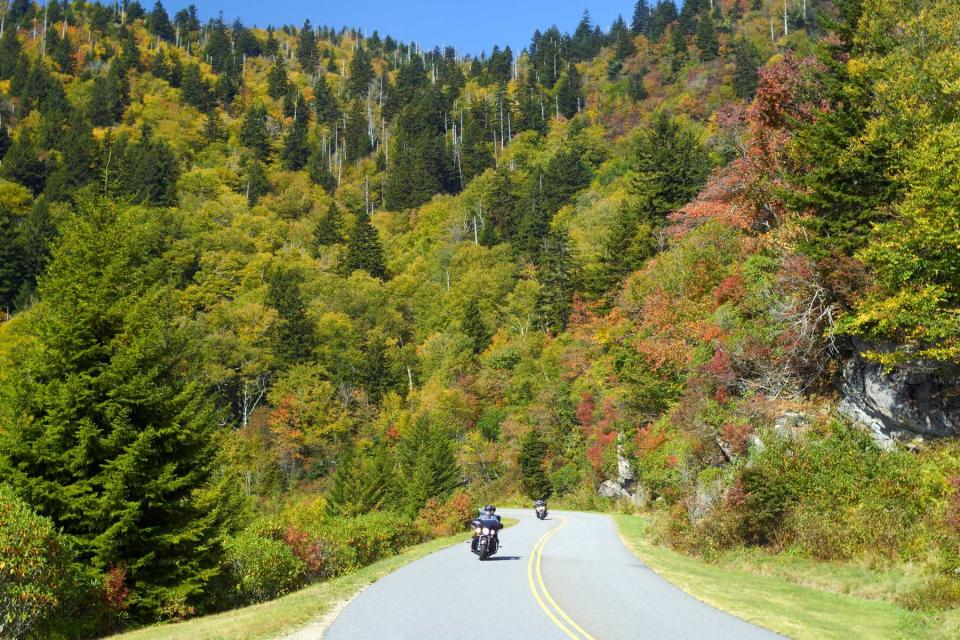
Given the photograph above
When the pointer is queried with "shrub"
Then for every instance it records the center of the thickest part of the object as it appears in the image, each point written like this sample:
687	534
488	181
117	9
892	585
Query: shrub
35	569
372	536
261	568
447	518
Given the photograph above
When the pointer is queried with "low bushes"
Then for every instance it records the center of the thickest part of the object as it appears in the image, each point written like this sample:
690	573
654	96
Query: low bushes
35	568
261	568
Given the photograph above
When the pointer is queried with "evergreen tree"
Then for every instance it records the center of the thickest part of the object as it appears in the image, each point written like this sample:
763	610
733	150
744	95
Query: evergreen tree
277	84
108	98
324	103
218	51
253	131
559	281
150	171
570	93
195	90
295	151
307	48
473	326
678	48
36	233
362	483
319	171
357	139
77	167
364	251
626	247
329	229
11	261
427	463
663	16
9	54
533	454
671	166
129	58
707	37
214	129
361	73
641	18
112	434
257	184
160	66
22	163
566	174
746	75
158	22
294	339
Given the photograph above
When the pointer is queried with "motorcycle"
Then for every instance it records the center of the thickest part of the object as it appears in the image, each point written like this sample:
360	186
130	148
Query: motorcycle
485	540
541	508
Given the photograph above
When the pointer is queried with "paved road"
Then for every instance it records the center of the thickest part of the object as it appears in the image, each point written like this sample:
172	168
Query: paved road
568	577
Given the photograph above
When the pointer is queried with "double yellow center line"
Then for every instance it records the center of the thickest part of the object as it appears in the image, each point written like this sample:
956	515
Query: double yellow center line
542	595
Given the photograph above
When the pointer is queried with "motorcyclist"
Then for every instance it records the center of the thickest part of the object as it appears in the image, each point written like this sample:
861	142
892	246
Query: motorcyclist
488	517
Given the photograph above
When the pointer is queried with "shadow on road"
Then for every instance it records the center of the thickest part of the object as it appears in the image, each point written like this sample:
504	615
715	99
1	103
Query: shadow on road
498	558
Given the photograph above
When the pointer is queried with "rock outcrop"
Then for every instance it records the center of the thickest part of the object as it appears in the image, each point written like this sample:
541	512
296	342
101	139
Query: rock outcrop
910	403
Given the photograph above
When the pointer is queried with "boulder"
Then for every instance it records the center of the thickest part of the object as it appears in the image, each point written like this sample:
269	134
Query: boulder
613	489
911	402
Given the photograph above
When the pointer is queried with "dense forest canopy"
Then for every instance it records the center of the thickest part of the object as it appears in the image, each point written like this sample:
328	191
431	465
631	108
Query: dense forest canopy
256	283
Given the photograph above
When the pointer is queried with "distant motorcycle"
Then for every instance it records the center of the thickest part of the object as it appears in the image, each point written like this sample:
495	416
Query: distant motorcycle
485	541
541	508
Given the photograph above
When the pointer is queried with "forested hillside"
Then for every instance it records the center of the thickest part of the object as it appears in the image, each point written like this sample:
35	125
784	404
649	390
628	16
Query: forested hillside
277	302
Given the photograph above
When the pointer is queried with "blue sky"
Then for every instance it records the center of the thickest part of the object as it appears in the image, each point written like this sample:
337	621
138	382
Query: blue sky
470	26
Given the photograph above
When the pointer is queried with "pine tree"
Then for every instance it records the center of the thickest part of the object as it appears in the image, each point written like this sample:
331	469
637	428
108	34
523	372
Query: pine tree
641	18
678	48
533	454
257	183
295	151
158	22
11	261
219	50
427	464
473	326
567	173
214	129
108	98
707	37
319	171
329	229
627	246
363	482
253	131
670	166
324	103
364	252
22	163
294	339
77	167
746	75
277	84
195	90
150	171
559	281
357	139
112	435
9	54
361	73
570	93
307	48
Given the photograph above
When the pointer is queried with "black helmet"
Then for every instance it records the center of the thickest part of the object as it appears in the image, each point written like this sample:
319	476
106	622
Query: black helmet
490	509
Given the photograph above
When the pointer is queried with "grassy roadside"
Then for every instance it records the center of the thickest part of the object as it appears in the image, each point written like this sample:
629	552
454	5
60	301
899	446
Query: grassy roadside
289	613
772	601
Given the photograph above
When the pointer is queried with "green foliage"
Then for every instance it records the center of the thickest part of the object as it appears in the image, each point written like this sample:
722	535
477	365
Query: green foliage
35	568
362	483
295	339
261	568
533	451
112	434
474	327
364	252
253	131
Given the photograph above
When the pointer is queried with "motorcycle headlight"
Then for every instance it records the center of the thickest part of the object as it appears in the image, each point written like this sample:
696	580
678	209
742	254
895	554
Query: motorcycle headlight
478	530
486	531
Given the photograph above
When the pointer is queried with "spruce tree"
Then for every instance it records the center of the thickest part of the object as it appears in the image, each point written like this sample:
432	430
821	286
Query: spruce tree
307	48
253	131
641	18
294	340
363	482
474	327
357	139
319	171
569	93
361	73
324	102
533	453
195	90
108	98
112	434
707	41
257	183
213	128
329	229
22	163
11	266
295	151
277	84
559	280
9	54
567	173
670	166
746	74
364	252
427	464
158	22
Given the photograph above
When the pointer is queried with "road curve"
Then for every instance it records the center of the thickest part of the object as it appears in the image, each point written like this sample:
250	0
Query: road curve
566	578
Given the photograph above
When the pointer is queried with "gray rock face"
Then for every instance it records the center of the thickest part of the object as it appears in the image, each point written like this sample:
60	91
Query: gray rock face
917	400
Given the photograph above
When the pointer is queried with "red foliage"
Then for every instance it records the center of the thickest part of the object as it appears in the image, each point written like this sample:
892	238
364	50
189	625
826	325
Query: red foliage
731	289
737	436
116	594
585	410
721	369
310	550
649	440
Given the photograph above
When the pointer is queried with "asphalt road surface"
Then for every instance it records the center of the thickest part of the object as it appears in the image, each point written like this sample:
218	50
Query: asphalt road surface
568	577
